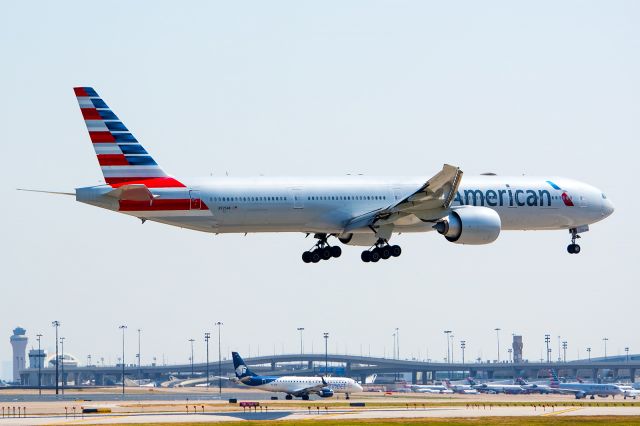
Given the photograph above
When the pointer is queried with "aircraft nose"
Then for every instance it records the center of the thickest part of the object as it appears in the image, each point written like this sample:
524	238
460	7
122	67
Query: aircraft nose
607	207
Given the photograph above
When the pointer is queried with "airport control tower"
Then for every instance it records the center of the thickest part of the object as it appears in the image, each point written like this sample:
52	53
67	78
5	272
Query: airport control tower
19	343
517	348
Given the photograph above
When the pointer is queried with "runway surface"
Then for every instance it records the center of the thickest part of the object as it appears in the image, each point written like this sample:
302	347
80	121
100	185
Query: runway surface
194	407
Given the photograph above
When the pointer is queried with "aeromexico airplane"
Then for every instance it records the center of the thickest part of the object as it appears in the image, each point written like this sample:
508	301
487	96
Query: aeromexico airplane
300	387
357	210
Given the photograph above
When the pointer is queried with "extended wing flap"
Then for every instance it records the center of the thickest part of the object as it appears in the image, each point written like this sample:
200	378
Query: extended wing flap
437	192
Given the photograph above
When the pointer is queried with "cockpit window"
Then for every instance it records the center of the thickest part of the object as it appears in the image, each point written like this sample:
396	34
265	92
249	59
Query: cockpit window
604	197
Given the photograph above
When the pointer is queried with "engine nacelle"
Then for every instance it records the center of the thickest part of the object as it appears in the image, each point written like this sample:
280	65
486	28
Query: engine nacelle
325	392
367	239
470	225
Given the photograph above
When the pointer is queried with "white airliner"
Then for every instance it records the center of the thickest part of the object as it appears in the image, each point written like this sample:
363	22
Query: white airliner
458	387
294	386
582	390
358	210
430	389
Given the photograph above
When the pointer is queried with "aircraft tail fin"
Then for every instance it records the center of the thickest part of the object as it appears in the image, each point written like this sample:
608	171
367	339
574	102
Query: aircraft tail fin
241	368
121	157
554	378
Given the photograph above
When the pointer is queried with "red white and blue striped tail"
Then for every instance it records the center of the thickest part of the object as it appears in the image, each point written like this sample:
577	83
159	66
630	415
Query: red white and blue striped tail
122	159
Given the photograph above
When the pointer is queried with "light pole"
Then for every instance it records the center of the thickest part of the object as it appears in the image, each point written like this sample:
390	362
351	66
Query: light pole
56	324
393	356
191	359
463	344
219	324
139	356
626	349
605	339
326	352
453	358
39	336
62	363
123	328
559	357
564	350
547	339
497	330
589	352
207	336
397	343
446	333
301	329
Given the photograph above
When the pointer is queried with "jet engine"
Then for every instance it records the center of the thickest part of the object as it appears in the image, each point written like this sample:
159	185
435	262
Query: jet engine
470	225
367	239
325	392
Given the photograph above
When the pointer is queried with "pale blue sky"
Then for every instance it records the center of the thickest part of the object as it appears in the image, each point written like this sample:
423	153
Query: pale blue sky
320	88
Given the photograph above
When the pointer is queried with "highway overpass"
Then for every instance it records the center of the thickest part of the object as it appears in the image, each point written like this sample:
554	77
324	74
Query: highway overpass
354	366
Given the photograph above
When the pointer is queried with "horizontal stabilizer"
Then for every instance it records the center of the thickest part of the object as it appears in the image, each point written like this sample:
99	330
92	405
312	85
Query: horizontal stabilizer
73	194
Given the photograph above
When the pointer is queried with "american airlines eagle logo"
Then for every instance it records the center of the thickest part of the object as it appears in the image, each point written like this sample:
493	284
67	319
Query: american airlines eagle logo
241	370
566	199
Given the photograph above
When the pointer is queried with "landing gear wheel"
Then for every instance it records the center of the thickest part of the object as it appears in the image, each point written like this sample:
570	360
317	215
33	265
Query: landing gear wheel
396	251
385	252
366	256
305	397
306	257
315	256
347	396
375	255
325	253
336	251
573	248
288	397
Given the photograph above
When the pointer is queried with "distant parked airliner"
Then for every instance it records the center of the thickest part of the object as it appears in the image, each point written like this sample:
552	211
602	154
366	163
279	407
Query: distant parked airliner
358	210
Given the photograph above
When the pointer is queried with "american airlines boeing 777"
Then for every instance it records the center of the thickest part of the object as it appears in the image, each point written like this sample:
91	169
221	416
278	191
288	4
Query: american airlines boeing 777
357	210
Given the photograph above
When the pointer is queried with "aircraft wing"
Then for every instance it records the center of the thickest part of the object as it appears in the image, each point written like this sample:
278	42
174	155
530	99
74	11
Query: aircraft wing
310	389
429	202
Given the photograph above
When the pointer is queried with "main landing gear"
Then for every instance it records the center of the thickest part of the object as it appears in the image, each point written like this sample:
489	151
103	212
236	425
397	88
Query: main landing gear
321	251
288	397
573	248
381	250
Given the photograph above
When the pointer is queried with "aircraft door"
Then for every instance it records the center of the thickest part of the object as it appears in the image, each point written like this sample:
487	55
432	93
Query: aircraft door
297	199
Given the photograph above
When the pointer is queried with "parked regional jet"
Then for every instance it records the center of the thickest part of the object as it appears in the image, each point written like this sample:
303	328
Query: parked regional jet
430	389
628	391
298	386
357	210
535	387
458	387
582	390
497	387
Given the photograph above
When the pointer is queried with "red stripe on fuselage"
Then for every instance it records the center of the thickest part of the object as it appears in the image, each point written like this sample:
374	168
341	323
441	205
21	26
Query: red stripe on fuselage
101	137
112	160
149	182
90	114
79	91
160	205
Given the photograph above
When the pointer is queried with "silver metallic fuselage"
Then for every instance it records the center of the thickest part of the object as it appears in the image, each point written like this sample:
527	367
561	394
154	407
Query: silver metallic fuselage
327	205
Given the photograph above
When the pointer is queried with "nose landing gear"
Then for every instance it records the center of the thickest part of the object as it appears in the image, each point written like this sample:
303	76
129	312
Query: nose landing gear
573	248
381	250
321	251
